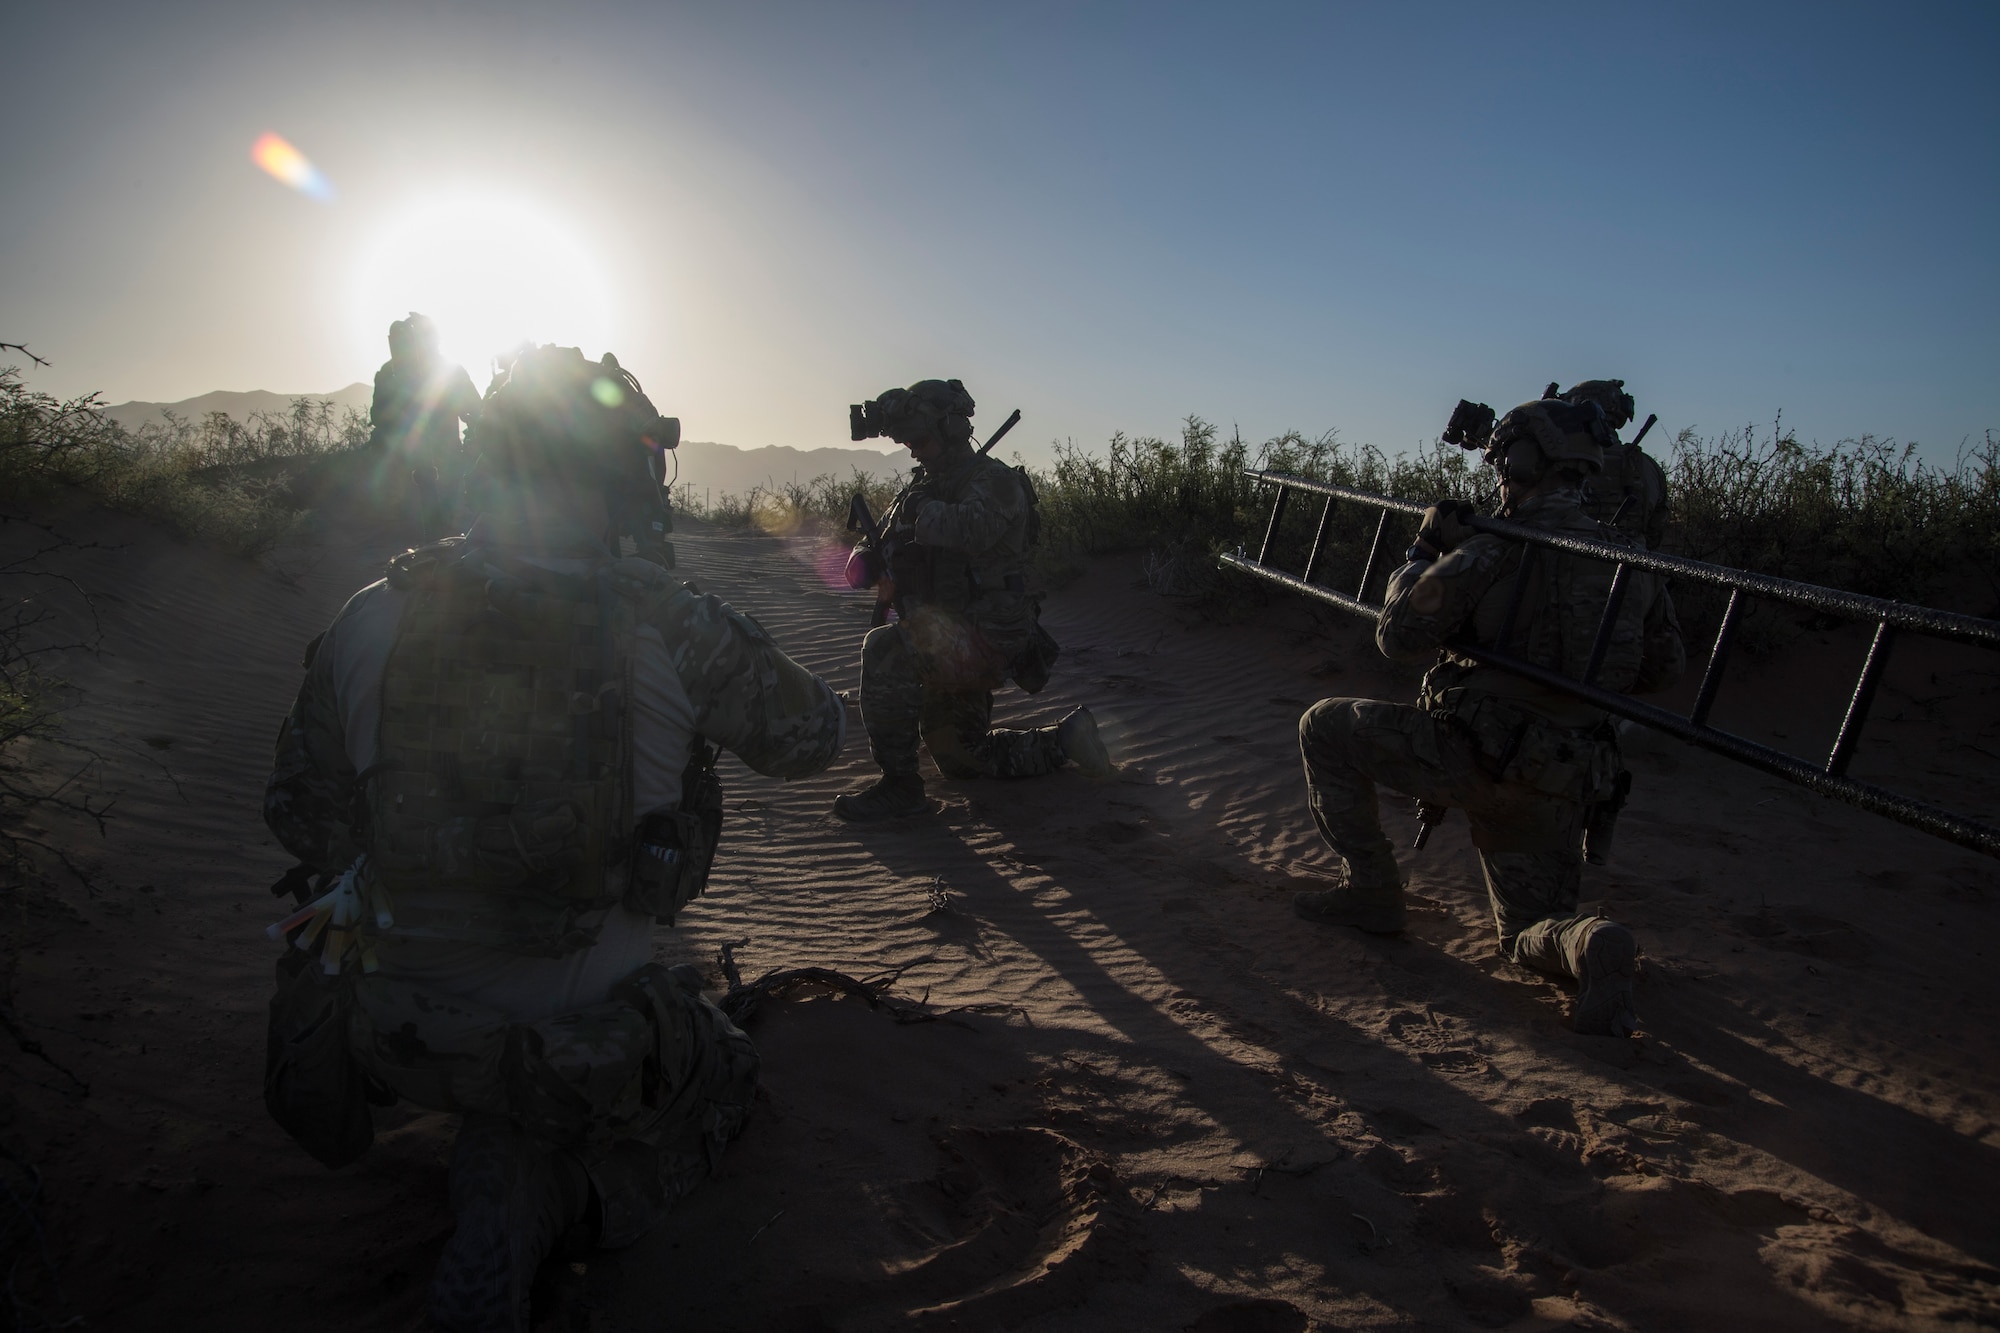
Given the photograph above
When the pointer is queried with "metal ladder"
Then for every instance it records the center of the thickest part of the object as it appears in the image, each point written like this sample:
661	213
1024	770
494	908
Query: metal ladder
1828	778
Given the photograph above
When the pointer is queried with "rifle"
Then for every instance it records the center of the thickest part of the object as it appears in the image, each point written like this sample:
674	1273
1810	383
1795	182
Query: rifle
868	568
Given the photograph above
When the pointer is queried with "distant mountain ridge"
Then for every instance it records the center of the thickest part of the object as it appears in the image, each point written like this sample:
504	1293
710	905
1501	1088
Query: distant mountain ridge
242	406
710	471
707	469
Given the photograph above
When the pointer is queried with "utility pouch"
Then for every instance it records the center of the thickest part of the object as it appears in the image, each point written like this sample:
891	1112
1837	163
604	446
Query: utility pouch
1518	746
910	567
313	1086
1031	669
672	850
952	587
1602	821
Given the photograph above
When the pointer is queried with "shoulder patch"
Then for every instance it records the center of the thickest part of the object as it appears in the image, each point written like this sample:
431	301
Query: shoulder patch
1427	598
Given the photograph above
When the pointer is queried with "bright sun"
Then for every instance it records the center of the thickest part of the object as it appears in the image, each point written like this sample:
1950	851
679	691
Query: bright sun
493	270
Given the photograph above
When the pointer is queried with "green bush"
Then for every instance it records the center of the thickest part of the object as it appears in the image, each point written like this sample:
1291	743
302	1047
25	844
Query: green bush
1866	515
1186	502
228	483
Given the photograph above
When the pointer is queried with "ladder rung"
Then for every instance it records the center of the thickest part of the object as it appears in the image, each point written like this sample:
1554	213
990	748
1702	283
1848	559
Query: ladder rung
1612	605
1374	556
1718	656
1864	697
1277	517
1319	538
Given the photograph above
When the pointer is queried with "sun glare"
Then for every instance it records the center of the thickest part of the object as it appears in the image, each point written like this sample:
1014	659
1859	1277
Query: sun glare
493	271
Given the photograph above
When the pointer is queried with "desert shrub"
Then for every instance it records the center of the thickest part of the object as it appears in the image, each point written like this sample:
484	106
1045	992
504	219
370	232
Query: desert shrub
1866	515
220	481
819	505
1184	502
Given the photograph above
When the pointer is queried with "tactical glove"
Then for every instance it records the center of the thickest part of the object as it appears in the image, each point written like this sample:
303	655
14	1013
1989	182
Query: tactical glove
1444	527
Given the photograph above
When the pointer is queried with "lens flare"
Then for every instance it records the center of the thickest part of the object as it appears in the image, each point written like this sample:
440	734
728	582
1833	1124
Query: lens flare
287	164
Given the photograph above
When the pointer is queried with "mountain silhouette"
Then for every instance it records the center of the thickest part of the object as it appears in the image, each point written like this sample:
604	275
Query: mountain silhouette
706	468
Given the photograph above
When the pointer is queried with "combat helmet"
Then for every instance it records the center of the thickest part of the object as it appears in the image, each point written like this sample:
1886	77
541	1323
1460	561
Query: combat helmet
1568	437
555	411
1619	409
556	422
903	413
413	336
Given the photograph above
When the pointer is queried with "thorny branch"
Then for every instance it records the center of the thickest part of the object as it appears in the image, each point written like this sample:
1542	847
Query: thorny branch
742	1002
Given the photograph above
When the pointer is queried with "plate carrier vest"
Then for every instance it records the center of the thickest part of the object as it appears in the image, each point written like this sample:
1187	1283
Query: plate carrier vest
500	807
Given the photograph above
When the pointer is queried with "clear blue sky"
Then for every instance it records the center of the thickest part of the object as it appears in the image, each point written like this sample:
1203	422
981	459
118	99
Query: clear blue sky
1110	216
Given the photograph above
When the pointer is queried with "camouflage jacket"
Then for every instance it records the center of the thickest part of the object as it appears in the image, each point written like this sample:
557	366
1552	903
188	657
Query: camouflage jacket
740	690
1634	482
1467	592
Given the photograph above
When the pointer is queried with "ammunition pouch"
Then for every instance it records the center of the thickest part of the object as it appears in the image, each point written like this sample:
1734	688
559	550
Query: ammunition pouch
672	850
910	566
1516	745
313	1086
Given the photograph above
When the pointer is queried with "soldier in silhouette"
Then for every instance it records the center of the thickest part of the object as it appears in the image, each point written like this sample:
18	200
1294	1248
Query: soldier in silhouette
419	400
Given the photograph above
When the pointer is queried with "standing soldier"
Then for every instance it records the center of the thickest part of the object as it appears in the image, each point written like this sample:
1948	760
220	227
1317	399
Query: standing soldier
502	760
419	400
956	561
1525	762
1630	491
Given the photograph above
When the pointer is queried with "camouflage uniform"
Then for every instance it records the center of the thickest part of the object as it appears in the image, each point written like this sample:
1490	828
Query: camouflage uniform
960	577
586	1047
1524	762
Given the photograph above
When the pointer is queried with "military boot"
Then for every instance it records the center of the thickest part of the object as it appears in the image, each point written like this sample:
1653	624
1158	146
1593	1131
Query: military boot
1077	737
515	1199
1370	900
1603	961
889	797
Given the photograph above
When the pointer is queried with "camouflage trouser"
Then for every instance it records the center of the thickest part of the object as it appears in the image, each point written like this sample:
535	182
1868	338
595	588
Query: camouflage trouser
645	1089
1530	843
907	697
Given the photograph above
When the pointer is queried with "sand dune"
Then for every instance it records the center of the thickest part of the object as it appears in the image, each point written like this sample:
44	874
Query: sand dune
1176	1106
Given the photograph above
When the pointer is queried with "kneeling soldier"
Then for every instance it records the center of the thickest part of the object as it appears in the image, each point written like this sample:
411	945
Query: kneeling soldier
1525	762
502	757
956	556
